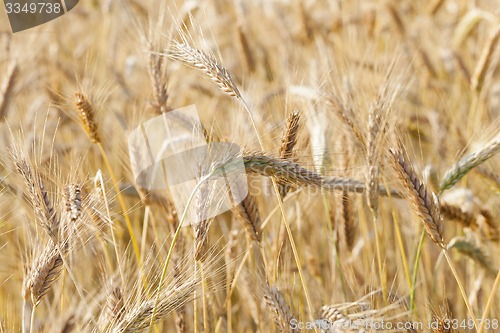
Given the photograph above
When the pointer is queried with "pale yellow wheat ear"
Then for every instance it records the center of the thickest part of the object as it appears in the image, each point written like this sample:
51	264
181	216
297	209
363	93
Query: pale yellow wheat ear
207	64
279	310
424	203
288	142
487	59
44	272
45	212
292	174
7	88
475	252
458	170
247	213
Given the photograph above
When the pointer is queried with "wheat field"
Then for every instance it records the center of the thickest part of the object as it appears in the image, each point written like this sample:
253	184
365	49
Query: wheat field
367	133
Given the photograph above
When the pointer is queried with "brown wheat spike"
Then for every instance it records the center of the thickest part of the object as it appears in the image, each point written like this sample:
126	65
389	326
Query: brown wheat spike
346	115
289	172
202	225
87	117
245	49
115	304
468	162
69	324
486	60
207	64
73	199
349	224
288	142
156	72
248	214
396	18
454	212
44	210
44	272
6	89
279	309
490	227
372	179
424	204
474	252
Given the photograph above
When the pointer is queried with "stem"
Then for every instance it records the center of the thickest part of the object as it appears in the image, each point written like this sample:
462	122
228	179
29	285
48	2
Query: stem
287	225
32	320
460	286
379	254
415	270
489	303
122	204
172	244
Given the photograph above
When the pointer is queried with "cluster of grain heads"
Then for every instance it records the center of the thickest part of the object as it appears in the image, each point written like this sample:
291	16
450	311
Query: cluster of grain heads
361	316
468	162
424	203
142	312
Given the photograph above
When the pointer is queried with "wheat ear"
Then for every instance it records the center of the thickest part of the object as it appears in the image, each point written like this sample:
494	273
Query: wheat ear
248	214
87	117
288	142
424	204
486	60
6	89
474	252
44	209
44	272
289	172
468	162
279	309
207	64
